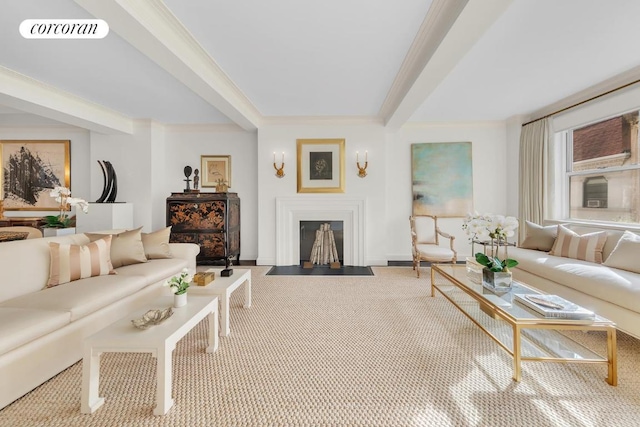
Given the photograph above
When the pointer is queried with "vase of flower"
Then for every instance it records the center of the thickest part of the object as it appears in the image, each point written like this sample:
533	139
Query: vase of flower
179	285
179	300
59	225
492	231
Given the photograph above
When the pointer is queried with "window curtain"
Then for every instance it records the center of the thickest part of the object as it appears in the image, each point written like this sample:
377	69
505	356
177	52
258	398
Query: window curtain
534	145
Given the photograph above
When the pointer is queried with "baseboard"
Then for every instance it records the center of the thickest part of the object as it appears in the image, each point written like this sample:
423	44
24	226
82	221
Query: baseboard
410	263
376	262
220	263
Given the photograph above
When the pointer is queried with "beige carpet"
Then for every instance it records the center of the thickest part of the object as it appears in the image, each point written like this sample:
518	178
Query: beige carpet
345	351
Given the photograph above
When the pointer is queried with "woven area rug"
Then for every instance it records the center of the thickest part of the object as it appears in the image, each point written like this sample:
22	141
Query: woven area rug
345	351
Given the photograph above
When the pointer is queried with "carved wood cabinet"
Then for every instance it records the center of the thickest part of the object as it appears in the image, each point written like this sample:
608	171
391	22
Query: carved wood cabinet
14	221
212	220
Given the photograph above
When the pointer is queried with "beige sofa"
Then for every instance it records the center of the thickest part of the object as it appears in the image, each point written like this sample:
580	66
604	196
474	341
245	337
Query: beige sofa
42	328
610	292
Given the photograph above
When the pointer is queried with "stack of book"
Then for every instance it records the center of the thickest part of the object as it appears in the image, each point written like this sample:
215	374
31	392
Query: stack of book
553	306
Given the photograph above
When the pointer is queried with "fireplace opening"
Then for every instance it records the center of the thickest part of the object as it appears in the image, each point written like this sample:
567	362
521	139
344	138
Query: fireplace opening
308	237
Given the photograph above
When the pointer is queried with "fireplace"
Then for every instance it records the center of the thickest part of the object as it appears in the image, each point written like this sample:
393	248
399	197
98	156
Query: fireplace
290	211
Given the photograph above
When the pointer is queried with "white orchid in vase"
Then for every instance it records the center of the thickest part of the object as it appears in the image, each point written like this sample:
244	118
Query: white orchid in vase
62	195
496	228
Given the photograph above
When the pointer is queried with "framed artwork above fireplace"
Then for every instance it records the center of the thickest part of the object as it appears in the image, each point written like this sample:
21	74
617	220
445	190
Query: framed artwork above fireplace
320	165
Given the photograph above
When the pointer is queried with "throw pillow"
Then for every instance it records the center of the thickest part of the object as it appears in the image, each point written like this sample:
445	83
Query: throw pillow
626	254
7	236
156	244
538	237
126	247
75	262
587	247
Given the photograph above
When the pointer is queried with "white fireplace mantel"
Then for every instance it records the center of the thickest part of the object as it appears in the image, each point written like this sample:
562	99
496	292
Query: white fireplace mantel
291	210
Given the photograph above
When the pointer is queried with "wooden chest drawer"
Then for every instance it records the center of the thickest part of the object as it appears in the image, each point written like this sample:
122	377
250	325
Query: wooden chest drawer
211	220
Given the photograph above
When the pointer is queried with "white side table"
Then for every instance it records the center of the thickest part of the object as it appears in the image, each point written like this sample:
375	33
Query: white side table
222	287
159	340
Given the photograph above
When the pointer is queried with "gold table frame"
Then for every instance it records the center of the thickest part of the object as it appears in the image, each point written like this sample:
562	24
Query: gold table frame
455	275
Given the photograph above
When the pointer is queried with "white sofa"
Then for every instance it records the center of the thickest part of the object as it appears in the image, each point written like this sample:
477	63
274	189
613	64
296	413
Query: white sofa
42	329
610	292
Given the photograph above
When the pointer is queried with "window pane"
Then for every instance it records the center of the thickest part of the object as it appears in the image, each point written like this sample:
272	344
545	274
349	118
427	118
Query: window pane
609	196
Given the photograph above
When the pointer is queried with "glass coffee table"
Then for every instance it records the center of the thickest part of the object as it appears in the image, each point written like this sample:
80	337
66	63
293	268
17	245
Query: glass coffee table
521	332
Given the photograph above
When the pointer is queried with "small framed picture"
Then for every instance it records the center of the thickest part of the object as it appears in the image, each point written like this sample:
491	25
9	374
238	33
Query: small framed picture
320	165
215	170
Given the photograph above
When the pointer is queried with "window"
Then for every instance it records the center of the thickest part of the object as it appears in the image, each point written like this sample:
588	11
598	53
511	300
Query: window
603	171
595	192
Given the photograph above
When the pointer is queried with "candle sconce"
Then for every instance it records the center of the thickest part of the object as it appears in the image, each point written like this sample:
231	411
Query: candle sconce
362	170
279	170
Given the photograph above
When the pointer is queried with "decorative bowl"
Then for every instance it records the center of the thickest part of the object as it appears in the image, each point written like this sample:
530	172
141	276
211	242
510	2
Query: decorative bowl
152	317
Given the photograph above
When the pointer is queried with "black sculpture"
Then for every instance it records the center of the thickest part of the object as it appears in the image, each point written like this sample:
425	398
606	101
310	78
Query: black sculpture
227	272
110	190
187	173
196	179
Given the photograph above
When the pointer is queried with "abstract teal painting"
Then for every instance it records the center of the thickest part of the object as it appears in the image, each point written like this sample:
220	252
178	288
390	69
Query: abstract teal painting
442	179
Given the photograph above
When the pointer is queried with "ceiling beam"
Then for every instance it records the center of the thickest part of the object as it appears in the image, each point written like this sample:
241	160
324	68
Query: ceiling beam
35	97
448	32
150	27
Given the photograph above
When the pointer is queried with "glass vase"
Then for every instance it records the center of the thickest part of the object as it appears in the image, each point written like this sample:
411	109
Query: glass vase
496	280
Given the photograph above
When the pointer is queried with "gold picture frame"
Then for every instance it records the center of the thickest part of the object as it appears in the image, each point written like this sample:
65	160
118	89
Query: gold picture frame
320	165
213	168
30	170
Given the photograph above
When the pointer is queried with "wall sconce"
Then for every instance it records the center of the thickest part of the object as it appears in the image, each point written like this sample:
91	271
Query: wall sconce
362	171
279	170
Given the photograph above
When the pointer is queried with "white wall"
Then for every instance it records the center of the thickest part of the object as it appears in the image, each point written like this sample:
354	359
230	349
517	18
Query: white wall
358	137
149	165
80	151
489	151
131	157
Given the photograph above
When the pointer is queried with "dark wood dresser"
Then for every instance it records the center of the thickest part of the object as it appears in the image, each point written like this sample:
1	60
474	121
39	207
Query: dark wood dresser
212	220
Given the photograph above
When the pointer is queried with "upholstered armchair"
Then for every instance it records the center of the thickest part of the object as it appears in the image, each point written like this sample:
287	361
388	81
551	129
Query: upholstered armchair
425	241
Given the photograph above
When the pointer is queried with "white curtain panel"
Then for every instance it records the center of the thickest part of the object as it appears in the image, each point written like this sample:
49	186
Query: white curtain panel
534	144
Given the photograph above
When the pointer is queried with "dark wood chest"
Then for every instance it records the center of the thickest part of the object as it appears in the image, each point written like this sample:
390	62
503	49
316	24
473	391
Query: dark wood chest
212	220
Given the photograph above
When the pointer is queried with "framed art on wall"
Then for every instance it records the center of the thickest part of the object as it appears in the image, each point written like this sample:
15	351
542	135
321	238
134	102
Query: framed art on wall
320	165
30	170
215	169
442	179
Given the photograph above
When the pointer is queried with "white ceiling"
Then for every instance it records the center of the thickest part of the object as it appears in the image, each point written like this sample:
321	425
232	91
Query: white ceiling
251	61
538	52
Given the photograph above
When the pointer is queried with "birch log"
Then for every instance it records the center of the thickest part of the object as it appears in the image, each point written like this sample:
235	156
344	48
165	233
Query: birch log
324	250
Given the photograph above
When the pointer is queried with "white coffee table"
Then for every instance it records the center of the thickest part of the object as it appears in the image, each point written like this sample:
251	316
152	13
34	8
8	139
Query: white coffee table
159	340
222	287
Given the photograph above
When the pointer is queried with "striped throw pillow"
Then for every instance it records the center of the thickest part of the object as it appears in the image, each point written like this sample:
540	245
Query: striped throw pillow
74	262
586	247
